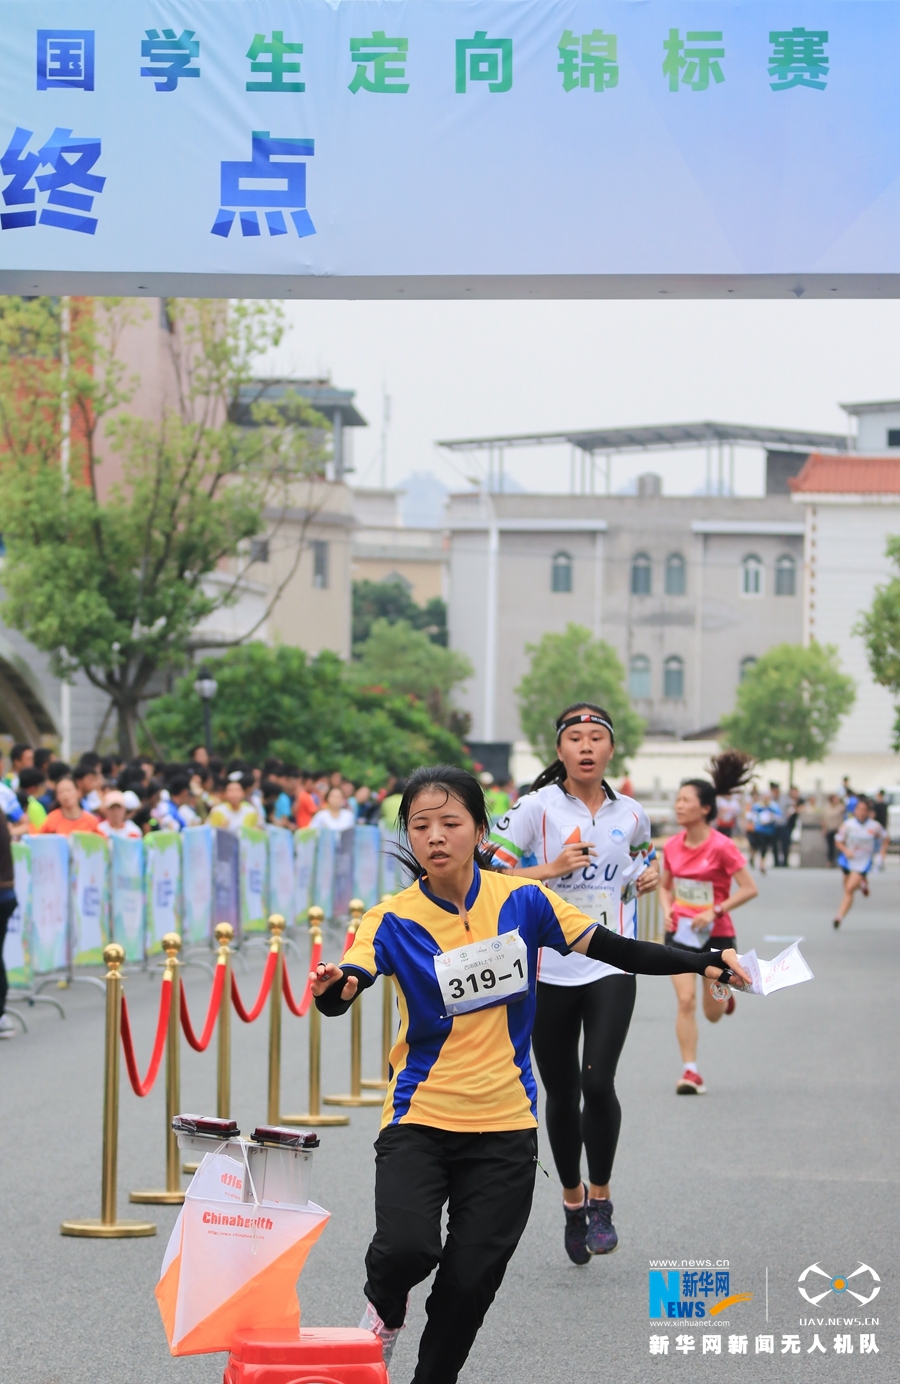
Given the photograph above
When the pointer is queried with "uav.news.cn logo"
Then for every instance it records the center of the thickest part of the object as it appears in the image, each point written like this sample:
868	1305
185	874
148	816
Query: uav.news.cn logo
838	1285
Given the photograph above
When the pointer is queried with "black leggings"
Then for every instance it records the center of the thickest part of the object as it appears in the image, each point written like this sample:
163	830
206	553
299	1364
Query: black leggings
7	909
582	1107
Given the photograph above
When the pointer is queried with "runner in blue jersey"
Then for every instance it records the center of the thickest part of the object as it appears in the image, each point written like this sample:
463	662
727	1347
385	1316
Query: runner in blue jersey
461	946
592	846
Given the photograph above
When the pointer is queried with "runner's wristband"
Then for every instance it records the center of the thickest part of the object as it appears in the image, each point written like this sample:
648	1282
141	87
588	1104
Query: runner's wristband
330	1003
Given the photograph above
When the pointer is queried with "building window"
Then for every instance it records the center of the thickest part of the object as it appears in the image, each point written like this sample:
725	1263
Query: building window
894	437
747	665
785	576
561	572
752	576
639	678
675	575
673	678
641	575
320	563
259	550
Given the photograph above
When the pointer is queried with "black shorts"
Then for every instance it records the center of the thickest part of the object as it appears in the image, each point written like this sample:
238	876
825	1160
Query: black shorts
711	944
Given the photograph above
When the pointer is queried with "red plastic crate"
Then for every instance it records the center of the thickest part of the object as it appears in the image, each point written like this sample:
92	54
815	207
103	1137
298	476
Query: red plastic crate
320	1355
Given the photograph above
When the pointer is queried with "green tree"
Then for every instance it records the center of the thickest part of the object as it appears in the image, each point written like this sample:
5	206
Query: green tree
308	711
879	627
116	585
404	661
564	668
790	704
390	600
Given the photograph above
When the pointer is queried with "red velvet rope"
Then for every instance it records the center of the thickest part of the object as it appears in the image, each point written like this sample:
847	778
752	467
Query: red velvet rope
301	1008
348	941
142	1088
202	1043
271	962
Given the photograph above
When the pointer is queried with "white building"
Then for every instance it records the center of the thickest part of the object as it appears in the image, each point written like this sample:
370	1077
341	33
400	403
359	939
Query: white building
852	507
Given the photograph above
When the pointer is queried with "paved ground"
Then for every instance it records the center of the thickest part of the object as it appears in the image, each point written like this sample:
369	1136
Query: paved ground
790	1159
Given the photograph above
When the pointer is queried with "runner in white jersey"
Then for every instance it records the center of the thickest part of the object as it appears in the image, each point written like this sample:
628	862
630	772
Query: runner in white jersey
592	846
859	839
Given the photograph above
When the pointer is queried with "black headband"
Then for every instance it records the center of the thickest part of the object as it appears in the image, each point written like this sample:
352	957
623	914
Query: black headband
589	716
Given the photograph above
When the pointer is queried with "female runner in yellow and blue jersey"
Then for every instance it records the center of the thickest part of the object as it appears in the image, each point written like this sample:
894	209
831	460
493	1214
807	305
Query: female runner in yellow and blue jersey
461	944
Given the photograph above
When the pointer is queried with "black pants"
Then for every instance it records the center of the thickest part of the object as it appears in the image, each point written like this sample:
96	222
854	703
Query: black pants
6	911
582	1108
830	847
488	1181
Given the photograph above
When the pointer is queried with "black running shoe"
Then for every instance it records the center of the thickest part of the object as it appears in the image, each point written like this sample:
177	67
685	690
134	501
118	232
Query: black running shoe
575	1238
601	1236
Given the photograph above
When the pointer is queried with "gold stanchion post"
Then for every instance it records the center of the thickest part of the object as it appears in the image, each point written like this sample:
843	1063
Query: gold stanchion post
224	934
107	1227
276	929
387	1029
172	1194
355	1096
314	1116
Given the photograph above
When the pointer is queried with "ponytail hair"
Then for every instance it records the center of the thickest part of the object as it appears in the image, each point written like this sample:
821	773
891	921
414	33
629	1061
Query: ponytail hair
556	772
729	770
455	783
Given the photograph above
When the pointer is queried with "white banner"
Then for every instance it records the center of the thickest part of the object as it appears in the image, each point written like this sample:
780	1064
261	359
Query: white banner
450	147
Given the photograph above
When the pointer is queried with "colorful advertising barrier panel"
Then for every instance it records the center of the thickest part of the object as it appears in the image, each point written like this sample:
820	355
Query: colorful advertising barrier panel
366	860
17	947
254	849
89	897
281	872
570	147
162	887
197	883
127	891
227	881
49	903
304	872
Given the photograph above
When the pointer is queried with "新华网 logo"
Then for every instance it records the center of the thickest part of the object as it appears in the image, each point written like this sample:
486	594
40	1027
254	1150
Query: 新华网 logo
694	1293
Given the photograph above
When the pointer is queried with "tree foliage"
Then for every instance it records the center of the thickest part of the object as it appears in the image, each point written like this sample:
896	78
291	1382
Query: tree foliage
879	628
390	600
405	662
564	668
279	701
116	584
789	705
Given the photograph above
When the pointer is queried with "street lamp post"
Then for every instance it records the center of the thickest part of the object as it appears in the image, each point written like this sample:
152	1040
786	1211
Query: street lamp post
206	688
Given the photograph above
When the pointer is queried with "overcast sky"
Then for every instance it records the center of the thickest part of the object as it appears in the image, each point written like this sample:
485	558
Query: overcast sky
468	369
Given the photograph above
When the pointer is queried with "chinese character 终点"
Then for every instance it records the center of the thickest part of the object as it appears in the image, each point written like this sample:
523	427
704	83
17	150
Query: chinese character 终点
590	59
273	201
483	59
277	67
798	58
170	53
387	59
65	58
691	65
70	161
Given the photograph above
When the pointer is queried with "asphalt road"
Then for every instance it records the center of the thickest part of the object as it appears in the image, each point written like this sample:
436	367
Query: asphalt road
789	1160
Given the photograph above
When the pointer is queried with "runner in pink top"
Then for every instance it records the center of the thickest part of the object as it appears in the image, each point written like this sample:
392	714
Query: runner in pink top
696	890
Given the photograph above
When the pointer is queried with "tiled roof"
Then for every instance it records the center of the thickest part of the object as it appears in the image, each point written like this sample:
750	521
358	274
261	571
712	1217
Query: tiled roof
848	475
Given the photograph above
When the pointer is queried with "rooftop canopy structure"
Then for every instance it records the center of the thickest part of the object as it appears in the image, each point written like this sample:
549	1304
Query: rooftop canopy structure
664	437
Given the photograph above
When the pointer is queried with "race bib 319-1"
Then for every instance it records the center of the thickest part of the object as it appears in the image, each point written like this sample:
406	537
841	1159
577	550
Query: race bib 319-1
481	974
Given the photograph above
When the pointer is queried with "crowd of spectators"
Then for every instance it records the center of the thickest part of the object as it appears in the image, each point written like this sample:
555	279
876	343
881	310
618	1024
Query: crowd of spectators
41	793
